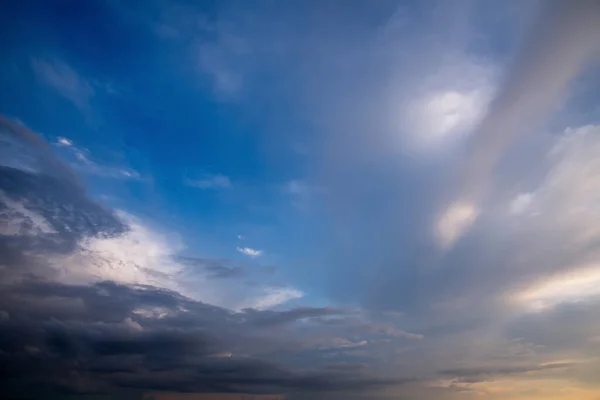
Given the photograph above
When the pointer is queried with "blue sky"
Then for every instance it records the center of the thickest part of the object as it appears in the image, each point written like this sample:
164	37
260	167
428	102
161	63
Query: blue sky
427	169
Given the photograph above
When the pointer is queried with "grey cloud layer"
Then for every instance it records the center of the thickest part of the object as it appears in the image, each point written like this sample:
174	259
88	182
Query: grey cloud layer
83	339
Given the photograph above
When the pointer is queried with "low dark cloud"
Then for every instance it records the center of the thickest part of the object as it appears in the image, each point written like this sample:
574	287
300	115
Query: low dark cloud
110	346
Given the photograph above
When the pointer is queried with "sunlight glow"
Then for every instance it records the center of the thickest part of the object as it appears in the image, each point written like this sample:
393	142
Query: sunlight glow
575	286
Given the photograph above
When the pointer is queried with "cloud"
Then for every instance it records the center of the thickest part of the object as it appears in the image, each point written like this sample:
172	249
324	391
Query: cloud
217	181
453	223
51	229
274	297
555	54
489	373
64	141
215	269
521	203
447	107
302	194
428	216
576	285
343	343
84	162
293	315
249	251
66	81
141	353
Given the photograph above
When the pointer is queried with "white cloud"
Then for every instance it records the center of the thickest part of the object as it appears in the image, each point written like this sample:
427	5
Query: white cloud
132	325
249	251
567	200
62	141
520	203
445	114
217	181
535	87
273	297
565	222
579	284
144	255
140	256
447	105
453	223
65	81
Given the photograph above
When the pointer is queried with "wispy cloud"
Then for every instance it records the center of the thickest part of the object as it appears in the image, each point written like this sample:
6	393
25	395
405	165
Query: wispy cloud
249	251
83	161
273	297
217	181
65	80
62	141
302	193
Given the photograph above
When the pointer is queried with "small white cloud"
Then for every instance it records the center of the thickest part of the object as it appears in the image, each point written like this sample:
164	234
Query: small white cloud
250	251
217	181
521	203
132	325
63	141
454	222
130	173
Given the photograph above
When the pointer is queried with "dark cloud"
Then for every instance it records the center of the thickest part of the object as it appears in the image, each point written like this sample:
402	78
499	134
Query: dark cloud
43	207
109	346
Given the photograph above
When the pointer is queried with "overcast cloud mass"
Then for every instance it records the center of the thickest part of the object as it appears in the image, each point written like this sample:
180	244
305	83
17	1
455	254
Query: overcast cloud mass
300	200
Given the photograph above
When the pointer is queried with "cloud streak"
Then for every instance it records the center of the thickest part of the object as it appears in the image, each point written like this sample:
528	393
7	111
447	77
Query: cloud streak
66	81
215	182
558	49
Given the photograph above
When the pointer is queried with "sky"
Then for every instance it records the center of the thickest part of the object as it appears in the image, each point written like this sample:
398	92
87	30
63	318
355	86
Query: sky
263	200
